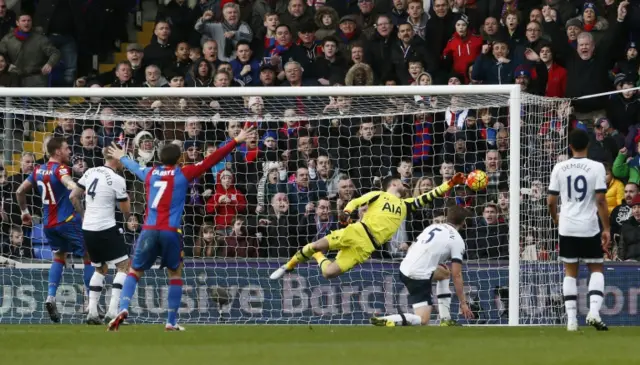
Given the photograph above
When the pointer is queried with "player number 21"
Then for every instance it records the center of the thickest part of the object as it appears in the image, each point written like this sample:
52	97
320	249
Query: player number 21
579	185
162	186
47	191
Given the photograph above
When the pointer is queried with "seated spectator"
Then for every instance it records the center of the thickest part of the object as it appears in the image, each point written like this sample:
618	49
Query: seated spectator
489	238
238	243
303	192
630	234
89	148
245	67
318	221
279	229
226	202
326	20
132	229
16	248
30	54
331	65
622	212
182	62
615	189
206	243
7	79
200	74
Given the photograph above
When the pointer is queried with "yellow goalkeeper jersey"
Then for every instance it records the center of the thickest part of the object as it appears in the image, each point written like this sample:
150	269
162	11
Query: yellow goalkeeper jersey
386	211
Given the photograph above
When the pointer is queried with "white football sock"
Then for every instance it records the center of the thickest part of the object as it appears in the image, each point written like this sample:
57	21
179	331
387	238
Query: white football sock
95	289
570	293
444	299
596	293
410	319
116	289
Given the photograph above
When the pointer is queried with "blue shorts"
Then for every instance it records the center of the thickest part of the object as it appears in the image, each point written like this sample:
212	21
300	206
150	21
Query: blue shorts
151	244
66	238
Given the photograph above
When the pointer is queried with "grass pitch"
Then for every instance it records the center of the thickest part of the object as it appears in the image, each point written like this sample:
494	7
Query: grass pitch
322	345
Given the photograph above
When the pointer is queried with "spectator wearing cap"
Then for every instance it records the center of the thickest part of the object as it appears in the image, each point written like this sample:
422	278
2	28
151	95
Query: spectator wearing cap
245	67
309	46
493	66
226	202
407	47
30	54
623	109
160	51
378	49
587	61
593	23
532	80
603	148
227	33
326	20
135	56
347	34
268	186
297	14
556	74
78	166
564	8
629	248
200	74
462	49
630	64
181	18
268	75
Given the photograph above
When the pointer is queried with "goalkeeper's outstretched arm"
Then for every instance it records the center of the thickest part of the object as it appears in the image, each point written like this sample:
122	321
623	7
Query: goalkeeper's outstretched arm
363	200
414	204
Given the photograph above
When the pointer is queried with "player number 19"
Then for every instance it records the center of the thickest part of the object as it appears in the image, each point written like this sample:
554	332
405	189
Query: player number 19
47	191
162	186
579	185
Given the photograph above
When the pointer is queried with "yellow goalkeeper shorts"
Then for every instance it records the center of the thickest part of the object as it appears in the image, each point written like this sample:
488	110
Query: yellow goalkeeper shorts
353	245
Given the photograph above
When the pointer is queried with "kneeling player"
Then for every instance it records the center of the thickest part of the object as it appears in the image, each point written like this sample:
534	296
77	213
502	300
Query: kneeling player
437	244
102	186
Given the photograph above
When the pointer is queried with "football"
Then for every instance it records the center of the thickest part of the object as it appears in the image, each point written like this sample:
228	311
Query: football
477	180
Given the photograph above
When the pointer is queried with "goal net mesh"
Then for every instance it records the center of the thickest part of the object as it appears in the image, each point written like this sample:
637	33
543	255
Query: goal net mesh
313	155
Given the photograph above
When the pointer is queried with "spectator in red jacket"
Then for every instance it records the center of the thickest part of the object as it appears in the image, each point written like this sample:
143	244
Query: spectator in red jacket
463	48
556	74
227	201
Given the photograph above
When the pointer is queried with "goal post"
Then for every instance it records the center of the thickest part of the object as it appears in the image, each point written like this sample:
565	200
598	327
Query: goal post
245	279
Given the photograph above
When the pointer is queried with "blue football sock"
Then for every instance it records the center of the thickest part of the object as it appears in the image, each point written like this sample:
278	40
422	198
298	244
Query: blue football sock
55	276
175	297
128	289
88	273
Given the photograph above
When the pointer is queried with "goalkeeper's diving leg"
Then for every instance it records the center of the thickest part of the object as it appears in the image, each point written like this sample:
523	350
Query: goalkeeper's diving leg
313	250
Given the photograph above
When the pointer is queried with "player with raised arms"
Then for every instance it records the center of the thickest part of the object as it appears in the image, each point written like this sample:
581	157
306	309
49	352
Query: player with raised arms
581	185
357	241
102	188
424	263
166	190
62	226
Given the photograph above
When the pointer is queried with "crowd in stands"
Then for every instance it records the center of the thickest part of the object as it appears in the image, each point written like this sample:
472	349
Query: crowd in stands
313	155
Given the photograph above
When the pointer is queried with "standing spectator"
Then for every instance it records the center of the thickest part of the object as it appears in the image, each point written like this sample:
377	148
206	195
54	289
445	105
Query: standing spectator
7	19
302	192
615	189
182	63
326	20
556	74
245	67
463	48
227	202
318	222
630	234
623	110
297	14
493	66
32	55
489	238
399	12
108	131
279	229
378	49
181	19
622	212
327	174
89	148
440	26
367	16
417	18
410	47
331	65
7	79
160	51
226	34
262	7
348	33
63	22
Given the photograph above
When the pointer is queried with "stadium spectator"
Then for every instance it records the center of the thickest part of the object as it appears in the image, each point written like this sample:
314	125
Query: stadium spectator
30	54
279	229
227	33
16	247
89	148
615	189
238	243
226	202
206	243
622	212
488	239
630	234
160	51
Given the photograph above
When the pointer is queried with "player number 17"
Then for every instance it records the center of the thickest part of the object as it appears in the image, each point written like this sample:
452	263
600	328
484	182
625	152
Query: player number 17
162	186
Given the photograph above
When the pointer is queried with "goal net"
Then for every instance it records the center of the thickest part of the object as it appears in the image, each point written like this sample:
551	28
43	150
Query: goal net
317	149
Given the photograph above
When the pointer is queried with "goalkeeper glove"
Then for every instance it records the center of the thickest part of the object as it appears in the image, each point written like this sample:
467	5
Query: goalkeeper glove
345	218
457	179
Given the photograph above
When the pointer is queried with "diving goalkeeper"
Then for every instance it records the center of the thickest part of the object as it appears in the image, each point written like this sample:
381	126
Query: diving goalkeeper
356	242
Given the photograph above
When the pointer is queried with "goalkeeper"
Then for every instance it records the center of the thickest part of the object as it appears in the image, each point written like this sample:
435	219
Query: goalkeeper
356	242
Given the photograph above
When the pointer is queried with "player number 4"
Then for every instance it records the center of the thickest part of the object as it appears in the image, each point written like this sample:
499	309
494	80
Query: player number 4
162	186
47	191
92	188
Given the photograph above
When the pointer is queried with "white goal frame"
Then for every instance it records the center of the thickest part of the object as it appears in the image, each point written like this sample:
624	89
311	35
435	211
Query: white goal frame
515	102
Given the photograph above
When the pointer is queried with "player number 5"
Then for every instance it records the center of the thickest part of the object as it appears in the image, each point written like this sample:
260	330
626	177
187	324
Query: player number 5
47	191
162	186
432	233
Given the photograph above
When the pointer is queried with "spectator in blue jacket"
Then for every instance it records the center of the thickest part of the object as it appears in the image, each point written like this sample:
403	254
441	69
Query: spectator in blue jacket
245	67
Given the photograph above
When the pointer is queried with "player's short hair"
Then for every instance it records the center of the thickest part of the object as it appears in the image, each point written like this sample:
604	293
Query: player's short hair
579	140
170	154
388	180
456	215
16	228
54	144
105	153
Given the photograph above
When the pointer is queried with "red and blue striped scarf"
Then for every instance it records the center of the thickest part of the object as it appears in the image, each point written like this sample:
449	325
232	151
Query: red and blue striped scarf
423	140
